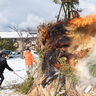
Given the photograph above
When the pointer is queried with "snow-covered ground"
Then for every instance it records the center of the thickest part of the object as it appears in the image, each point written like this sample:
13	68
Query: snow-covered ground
18	65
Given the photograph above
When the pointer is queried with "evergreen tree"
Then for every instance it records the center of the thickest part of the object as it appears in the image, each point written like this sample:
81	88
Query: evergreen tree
74	3
9	45
56	1
1	43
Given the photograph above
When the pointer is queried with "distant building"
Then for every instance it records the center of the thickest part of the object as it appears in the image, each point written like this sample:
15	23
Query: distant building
30	39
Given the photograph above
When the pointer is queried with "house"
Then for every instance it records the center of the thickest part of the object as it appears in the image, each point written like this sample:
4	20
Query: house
24	39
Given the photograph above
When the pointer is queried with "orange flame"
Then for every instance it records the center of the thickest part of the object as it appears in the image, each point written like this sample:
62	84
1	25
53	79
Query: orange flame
83	21
59	66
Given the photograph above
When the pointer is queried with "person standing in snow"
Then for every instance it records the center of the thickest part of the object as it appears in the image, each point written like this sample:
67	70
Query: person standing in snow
3	65
29	59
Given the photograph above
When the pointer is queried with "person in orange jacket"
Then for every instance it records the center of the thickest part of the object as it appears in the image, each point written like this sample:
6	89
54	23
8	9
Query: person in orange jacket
29	59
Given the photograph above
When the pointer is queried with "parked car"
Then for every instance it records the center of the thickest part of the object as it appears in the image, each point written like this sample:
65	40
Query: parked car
11	54
14	54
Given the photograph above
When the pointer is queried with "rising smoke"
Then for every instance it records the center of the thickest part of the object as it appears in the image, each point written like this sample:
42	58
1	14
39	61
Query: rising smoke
83	68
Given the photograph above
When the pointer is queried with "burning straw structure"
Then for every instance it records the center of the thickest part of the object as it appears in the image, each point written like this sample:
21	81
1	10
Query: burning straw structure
67	52
59	54
56	58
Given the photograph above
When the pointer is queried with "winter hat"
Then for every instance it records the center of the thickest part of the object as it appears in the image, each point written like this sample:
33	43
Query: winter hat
28	49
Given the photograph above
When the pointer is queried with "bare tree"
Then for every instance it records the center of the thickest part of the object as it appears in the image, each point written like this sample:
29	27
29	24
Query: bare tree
24	38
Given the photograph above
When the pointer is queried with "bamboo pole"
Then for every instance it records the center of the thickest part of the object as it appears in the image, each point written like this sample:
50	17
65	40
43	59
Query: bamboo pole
68	10
59	12
57	84
65	11
19	76
72	10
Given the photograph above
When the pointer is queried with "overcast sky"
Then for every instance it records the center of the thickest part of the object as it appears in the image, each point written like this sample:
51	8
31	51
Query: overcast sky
29	13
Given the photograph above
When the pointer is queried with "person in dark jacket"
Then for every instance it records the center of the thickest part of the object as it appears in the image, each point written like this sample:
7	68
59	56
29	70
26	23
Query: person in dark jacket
3	65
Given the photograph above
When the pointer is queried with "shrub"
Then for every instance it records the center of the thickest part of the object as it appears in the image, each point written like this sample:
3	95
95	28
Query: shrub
92	70
68	71
25	86
35	52
41	55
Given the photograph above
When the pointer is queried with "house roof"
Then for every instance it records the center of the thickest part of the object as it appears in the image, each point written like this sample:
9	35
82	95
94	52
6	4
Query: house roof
16	35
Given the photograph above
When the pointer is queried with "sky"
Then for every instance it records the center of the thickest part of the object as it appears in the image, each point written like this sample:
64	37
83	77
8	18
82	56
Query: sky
31	13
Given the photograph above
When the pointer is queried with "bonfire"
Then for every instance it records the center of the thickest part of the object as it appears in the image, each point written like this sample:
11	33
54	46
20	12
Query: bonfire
66	47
